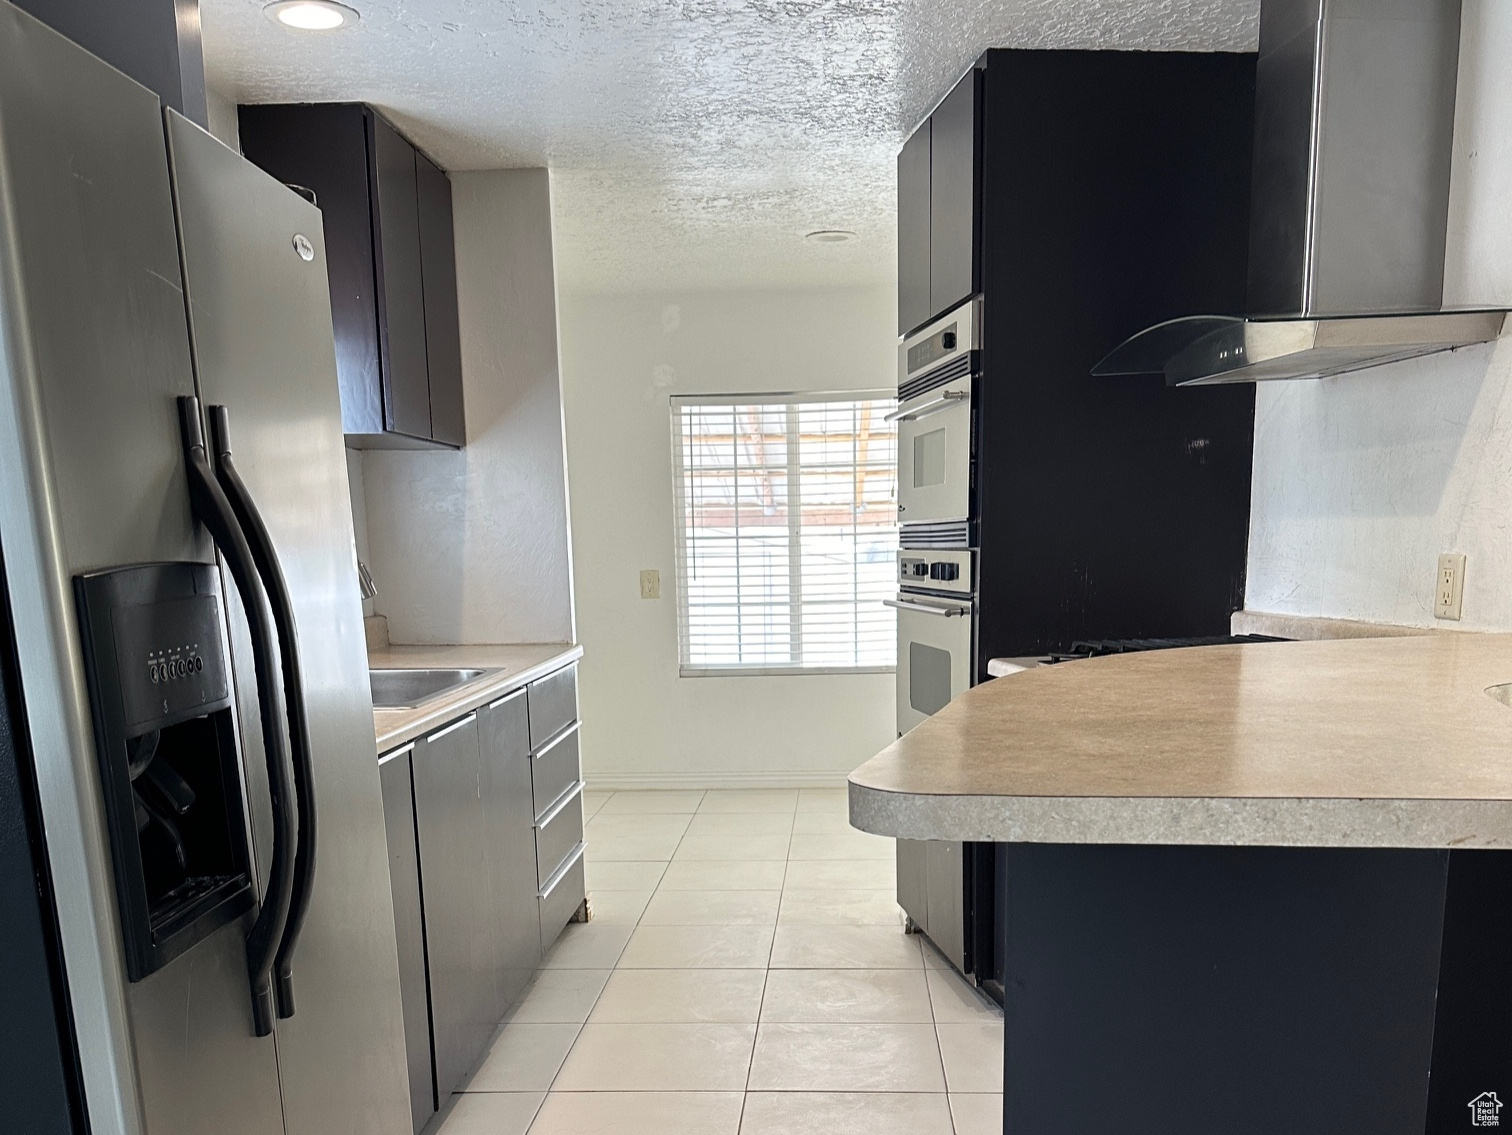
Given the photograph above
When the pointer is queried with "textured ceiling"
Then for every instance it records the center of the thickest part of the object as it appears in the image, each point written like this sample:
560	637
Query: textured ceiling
692	142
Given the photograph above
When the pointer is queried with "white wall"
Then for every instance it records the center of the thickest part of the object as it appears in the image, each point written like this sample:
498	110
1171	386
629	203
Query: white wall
1362	480
471	546
220	113
622	358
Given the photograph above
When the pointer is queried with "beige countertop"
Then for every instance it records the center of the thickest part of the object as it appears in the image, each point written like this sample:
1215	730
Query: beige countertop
516	666
1311	627
1388	742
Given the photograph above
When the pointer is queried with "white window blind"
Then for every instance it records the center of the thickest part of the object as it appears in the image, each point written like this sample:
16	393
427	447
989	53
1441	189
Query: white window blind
787	520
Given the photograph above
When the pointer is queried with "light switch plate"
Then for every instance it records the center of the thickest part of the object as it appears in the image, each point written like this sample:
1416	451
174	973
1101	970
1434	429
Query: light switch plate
651	584
1449	587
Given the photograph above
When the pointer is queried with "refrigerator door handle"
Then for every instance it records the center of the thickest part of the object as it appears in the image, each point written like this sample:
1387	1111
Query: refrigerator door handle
214	511
265	558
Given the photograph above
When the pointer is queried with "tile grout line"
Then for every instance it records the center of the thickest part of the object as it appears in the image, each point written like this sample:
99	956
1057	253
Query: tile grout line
766	974
939	1048
613	968
657	888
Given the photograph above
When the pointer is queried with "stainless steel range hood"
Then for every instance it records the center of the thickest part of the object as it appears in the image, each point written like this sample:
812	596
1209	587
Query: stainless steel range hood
1354	122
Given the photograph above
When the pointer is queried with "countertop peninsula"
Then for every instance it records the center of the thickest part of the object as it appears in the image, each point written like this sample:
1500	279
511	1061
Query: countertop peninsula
1389	742
514	665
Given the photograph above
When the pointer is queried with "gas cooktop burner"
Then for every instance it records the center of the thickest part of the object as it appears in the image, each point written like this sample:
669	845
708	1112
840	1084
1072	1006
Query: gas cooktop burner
1096	648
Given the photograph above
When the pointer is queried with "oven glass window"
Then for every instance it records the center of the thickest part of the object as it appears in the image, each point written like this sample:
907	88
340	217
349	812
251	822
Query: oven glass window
929	459
928	678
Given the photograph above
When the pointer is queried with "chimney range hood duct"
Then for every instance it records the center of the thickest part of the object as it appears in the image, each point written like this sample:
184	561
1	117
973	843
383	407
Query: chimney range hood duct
1354	123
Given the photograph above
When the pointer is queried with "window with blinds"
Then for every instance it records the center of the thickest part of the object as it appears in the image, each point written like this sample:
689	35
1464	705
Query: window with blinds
787	523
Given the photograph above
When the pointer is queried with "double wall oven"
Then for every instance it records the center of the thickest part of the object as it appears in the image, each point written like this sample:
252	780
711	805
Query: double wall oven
936	602
936	624
939	369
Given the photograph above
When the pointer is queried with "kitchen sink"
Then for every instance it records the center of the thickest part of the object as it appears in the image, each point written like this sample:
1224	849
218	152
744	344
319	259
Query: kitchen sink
410	689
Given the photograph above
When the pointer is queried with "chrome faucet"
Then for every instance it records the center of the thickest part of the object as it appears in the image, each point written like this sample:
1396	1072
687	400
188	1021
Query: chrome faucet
365	581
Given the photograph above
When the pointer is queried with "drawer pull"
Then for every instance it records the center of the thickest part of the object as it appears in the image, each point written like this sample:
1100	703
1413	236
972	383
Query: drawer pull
557	740
561	872
453	727
574	790
520	693
399	752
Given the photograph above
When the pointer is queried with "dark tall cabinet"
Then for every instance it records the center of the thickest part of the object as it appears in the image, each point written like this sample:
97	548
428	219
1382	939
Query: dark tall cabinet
1114	195
1082	196
392	265
938	209
914	307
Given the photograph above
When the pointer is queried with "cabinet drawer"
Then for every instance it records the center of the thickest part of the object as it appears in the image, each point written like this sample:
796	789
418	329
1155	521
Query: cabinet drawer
561	901
554	770
553	705
558	834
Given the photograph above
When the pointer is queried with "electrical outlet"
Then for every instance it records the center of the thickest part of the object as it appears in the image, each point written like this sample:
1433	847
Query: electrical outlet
1449	590
651	584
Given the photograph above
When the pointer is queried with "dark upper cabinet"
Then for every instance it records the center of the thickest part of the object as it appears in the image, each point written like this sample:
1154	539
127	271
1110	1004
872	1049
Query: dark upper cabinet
401	296
438	273
913	231
938	211
389	243
953	198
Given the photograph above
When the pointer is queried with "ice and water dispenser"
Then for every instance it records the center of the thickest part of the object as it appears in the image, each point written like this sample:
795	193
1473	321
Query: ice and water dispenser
157	666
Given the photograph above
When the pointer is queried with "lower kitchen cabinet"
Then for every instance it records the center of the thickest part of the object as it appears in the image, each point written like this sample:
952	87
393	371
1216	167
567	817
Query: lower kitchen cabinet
557	782
454	882
485	829
509	819
931	892
404	879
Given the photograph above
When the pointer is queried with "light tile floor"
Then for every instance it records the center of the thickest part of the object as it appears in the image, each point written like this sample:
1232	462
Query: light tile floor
745	973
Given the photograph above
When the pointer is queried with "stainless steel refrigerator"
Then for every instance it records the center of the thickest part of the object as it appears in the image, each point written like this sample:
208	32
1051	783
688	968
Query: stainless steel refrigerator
187	619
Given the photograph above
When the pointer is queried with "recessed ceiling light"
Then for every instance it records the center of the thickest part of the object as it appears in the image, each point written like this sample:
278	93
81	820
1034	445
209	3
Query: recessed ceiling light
311	15
830	236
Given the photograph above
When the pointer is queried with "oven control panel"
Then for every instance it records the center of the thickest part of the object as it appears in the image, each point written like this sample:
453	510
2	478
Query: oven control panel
936	570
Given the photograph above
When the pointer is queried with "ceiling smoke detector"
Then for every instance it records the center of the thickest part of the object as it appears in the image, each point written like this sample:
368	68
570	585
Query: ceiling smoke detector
311	15
830	236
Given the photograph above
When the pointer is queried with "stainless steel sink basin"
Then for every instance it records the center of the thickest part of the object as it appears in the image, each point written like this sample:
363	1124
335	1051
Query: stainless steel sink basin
410	689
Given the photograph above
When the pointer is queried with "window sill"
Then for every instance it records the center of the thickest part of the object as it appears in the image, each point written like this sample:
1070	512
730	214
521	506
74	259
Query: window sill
776	671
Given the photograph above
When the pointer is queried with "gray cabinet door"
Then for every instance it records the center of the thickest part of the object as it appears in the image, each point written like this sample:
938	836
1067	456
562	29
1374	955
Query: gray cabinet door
438	264
913	881
952	198
449	817
504	733
409	926
913	231
553	705
401	297
946	897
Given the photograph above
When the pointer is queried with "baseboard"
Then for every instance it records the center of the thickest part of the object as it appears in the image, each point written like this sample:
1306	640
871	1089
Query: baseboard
692	781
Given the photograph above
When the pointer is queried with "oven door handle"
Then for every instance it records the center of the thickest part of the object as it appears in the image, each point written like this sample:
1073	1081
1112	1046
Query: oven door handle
927	609
943	402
